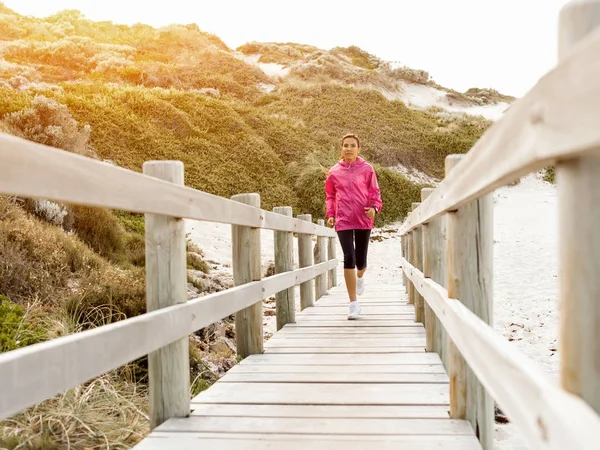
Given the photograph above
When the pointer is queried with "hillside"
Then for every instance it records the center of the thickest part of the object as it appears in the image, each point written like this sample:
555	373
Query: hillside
266	117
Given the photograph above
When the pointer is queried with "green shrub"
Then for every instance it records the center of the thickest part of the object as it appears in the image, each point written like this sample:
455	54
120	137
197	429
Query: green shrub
101	230
15	329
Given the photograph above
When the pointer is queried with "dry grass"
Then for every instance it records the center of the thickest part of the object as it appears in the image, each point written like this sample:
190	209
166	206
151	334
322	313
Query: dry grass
105	413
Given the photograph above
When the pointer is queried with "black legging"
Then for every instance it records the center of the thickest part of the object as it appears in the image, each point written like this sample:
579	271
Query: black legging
354	257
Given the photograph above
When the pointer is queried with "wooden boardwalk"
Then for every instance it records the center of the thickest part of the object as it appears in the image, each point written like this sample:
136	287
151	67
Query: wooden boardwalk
328	382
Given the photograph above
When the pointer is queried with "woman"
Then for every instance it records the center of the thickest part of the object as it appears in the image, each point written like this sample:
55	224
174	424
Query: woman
353	199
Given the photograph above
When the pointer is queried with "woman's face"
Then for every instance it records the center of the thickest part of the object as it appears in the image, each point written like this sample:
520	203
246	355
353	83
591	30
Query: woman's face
350	149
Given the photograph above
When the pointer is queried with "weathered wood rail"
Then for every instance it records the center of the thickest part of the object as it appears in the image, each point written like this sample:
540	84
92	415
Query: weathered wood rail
447	243
40	371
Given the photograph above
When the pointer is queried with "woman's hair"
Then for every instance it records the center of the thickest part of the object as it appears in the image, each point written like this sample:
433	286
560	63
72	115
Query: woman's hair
351	135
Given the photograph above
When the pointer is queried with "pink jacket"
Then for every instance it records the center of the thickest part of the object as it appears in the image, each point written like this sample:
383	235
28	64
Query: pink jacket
349	189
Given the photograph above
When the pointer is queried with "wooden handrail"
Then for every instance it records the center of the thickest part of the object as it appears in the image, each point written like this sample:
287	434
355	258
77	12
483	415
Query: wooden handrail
556	120
71	360
548	416
34	170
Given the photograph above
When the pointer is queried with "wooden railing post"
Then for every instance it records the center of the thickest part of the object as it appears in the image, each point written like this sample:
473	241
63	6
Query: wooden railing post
428	267
403	246
469	269
410	259
578	182
305	259
166	285
417	262
321	257
285	302
247	268
331	254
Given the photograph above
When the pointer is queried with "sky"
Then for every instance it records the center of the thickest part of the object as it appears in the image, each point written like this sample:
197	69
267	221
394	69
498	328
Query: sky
502	44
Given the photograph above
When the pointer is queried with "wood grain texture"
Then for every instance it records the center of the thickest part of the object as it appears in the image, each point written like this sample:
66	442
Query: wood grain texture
320	257
579	245
328	377
530	399
331	255
285	301
244	441
166	285
246	263
349	368
305	259
324	394
430	320
417	261
330	426
470	241
321	411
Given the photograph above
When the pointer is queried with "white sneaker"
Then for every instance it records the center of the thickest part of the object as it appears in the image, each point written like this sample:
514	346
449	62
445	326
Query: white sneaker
354	311
360	286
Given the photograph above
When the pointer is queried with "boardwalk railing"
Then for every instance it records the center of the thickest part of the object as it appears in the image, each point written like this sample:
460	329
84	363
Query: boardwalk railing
40	371
447	243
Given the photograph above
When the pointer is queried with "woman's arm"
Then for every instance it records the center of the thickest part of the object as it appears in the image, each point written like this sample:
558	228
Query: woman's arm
330	196
375	192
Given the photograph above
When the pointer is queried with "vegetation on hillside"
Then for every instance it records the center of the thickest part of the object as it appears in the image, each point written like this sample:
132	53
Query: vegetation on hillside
128	94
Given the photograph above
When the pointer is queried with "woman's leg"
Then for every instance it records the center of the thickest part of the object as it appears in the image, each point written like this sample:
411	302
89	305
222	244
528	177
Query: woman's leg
362	238
346	238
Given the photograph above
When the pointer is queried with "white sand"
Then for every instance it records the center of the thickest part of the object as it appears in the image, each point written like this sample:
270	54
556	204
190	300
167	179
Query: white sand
421	96
525	270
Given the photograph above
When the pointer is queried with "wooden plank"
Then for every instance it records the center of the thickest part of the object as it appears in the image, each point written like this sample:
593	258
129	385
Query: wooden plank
470	255
255	368
283	247
340	336
29	169
579	240
74	359
295	360
365	309
349	343
302	317
317	377
428	271
331	255
305	259
320	256
370	331
417	261
246	264
537	130
340	350
531	399
349	324
330	426
321	411
325	394
243	441
166	285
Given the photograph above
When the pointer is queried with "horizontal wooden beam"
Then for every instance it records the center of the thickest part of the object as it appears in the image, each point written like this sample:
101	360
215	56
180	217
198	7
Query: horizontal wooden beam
35	373
34	170
548	416
556	120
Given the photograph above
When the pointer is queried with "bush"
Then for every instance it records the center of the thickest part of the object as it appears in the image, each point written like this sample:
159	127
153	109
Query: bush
38	259
15	329
101	230
50	123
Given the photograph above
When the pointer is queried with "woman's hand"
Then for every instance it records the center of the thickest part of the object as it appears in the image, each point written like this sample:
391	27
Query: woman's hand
331	222
370	212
